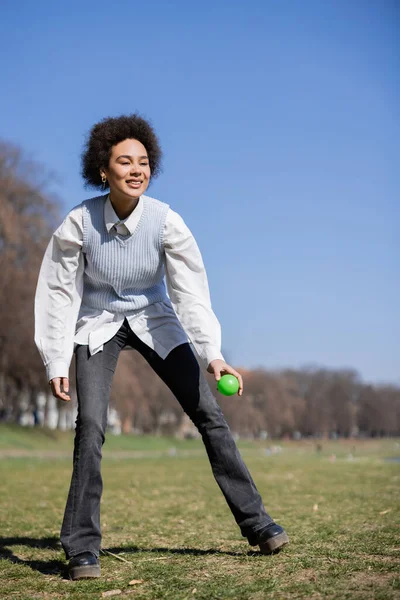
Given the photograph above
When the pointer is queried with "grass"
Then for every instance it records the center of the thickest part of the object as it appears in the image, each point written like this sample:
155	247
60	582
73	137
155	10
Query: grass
165	516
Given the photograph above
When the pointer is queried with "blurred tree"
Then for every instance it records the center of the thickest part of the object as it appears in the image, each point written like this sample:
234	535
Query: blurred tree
28	213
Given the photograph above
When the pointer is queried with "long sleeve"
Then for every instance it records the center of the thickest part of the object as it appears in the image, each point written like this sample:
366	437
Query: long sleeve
188	289
58	296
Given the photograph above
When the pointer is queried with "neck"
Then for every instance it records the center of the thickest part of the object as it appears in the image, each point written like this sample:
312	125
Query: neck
123	206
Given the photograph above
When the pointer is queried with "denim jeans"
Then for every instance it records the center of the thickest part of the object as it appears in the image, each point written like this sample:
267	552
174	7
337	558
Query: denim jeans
180	371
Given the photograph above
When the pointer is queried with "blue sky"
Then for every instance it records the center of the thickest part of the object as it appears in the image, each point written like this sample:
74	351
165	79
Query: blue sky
279	121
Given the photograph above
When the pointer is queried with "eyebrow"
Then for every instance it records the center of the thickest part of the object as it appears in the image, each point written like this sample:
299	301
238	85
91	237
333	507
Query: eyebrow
127	156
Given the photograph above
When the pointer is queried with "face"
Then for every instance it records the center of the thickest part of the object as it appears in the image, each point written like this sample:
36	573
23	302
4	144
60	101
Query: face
128	172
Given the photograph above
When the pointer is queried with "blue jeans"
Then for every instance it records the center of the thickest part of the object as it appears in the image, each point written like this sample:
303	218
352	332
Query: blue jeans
180	371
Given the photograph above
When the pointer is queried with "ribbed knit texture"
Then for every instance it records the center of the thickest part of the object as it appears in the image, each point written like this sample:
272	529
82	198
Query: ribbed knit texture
123	273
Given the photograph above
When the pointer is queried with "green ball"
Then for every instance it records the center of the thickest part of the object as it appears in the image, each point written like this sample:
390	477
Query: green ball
228	385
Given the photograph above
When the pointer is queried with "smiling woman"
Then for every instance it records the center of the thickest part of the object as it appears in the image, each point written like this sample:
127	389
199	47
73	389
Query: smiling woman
107	134
128	174
101	289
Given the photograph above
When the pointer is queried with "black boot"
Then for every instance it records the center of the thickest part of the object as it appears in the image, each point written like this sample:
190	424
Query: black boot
271	539
84	566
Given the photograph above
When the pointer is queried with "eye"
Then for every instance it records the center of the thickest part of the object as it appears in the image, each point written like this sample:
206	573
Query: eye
124	163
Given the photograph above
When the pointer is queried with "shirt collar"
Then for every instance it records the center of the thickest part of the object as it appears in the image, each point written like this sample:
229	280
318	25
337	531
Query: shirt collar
111	218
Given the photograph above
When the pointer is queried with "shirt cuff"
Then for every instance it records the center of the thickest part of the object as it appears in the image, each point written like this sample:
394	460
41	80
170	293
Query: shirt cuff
209	354
57	368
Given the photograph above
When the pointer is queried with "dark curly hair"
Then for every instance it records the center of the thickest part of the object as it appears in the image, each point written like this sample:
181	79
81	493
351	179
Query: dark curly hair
107	133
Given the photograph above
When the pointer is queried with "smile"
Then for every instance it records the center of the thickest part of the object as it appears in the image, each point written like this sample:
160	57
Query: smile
134	184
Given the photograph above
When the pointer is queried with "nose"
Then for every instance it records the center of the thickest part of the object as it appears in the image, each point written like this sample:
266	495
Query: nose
135	169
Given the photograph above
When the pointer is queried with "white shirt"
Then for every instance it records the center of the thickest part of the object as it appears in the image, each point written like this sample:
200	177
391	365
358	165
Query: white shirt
59	294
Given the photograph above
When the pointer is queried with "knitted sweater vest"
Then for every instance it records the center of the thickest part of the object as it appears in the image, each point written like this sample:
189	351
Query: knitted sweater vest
123	273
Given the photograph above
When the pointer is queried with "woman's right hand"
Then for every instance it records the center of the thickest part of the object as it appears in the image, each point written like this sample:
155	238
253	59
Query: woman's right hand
60	388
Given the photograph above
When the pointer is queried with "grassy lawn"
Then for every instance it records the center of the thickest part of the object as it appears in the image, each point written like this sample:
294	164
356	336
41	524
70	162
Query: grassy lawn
163	514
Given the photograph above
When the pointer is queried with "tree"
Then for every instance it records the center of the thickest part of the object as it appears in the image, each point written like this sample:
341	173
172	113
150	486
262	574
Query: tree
27	217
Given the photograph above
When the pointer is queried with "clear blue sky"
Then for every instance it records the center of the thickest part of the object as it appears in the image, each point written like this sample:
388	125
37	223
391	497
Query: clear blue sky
279	120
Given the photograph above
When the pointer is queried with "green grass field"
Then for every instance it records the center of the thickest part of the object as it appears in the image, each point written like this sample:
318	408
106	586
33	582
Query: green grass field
166	522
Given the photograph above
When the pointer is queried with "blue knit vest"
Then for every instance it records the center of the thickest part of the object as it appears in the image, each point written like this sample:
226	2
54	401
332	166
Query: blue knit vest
123	273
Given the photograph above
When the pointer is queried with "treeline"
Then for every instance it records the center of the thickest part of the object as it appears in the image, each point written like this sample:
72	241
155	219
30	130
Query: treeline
307	402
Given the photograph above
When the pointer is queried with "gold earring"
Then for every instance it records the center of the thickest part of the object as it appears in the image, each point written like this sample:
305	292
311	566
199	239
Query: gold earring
104	180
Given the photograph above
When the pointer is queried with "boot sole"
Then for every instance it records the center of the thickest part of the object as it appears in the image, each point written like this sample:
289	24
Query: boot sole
84	572
274	544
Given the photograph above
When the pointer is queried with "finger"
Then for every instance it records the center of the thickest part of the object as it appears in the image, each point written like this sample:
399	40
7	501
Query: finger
217	373
64	396
240	379
240	392
56	385
64	392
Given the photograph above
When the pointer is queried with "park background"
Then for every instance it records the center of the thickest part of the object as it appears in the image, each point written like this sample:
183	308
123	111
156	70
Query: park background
280	130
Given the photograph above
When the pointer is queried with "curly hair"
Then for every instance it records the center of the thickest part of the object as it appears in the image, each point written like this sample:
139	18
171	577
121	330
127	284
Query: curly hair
107	133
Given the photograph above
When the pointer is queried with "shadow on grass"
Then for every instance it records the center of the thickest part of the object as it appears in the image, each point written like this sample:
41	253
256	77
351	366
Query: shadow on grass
58	567
47	567
179	551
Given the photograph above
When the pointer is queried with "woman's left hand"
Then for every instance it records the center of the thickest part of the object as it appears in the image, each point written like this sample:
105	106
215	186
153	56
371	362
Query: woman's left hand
220	367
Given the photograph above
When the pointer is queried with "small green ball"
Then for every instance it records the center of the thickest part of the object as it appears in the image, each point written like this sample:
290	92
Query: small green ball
228	385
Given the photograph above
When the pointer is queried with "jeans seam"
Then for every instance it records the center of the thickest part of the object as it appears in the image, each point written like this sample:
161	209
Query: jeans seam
74	478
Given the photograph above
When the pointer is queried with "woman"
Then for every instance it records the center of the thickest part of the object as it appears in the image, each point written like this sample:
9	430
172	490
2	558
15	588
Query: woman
100	289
